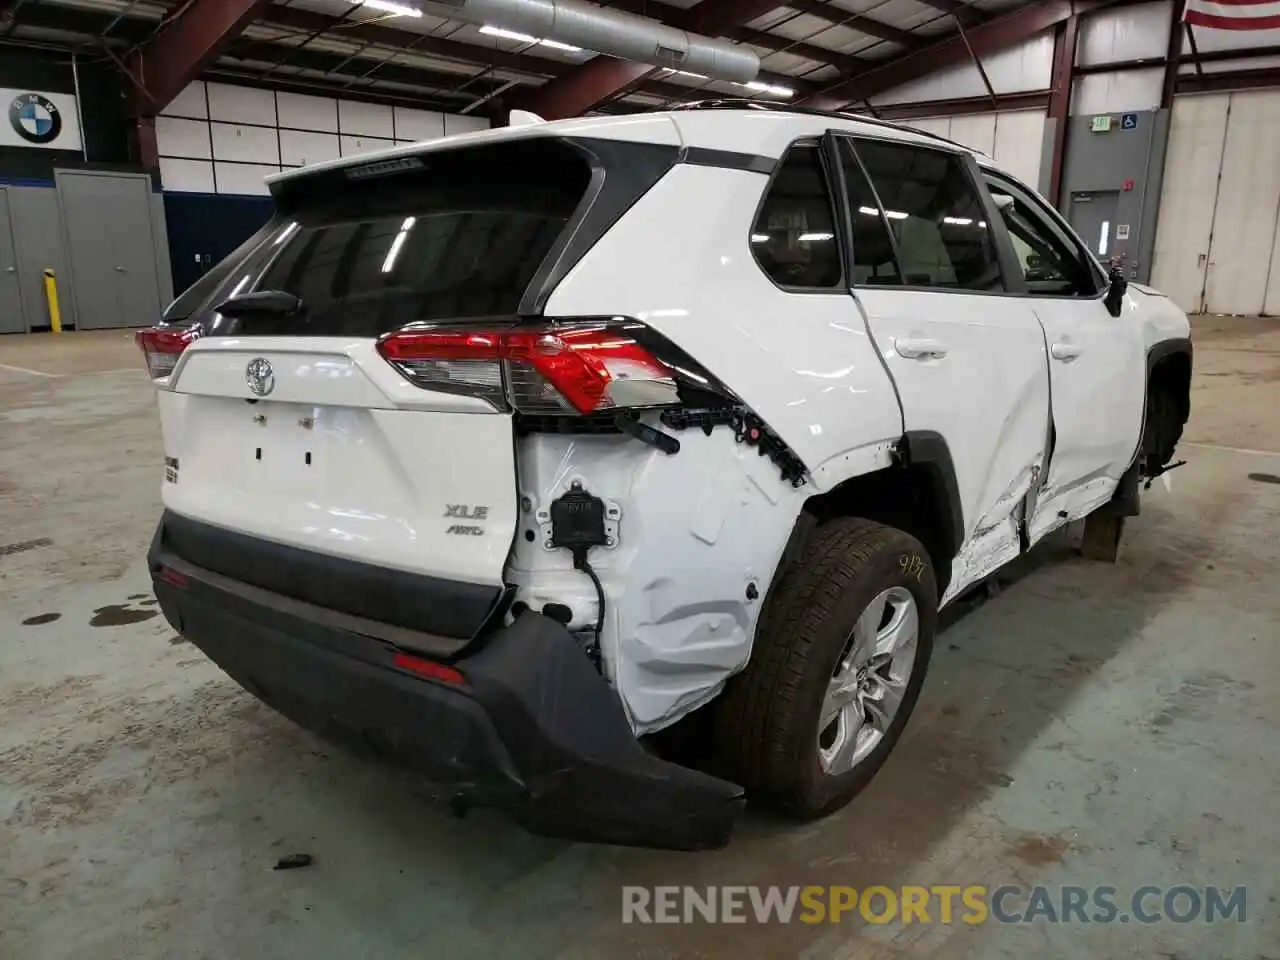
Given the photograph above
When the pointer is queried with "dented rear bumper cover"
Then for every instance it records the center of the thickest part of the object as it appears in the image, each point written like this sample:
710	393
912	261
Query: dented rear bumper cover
530	726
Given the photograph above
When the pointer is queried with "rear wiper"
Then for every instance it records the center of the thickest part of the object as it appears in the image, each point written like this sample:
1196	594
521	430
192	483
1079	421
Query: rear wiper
271	303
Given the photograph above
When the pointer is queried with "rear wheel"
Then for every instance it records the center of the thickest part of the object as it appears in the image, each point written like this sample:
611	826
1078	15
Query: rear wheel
839	659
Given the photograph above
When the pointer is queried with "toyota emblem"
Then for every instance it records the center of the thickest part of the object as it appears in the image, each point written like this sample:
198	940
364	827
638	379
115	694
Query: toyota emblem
260	377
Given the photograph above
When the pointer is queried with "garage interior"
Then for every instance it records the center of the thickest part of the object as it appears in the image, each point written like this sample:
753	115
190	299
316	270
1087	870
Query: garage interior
1082	723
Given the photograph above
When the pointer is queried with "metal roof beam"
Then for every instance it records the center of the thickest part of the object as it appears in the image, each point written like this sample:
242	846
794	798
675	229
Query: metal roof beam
179	53
986	38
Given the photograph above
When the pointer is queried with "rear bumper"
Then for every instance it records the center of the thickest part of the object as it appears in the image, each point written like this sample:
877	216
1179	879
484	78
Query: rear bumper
533	728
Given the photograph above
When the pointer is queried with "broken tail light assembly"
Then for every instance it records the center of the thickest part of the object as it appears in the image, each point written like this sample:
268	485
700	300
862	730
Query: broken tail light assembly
162	346
612	368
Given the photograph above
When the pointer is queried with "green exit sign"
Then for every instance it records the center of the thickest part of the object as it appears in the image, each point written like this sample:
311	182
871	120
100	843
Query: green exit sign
1101	124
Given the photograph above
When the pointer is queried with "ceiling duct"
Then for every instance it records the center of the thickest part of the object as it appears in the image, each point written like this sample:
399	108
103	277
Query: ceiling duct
612	32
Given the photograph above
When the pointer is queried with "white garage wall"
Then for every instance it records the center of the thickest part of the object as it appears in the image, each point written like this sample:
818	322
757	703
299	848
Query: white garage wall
1218	238
1013	138
1026	67
224	138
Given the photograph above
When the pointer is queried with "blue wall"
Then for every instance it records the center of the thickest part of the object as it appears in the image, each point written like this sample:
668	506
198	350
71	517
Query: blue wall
208	226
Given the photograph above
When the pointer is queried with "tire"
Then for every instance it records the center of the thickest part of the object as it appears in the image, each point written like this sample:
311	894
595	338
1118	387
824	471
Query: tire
766	731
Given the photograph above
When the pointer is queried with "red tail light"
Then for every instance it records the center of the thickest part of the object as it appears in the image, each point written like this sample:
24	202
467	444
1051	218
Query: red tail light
163	345
428	668
566	369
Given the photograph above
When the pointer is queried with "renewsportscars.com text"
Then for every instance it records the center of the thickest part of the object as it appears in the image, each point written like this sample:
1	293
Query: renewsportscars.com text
936	904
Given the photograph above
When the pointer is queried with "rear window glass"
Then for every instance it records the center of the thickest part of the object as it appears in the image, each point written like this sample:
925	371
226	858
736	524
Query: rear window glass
457	235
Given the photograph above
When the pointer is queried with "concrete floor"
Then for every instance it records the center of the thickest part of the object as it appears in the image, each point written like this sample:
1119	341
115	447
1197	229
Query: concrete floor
1093	724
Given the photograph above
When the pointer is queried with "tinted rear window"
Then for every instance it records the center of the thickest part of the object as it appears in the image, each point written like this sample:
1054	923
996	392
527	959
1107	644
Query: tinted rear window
461	234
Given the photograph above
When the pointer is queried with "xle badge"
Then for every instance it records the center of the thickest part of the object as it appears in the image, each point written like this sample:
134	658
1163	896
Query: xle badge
463	511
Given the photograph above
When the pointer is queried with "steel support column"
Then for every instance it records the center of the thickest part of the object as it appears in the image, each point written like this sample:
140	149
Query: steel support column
602	78
1064	61
180	52
1173	55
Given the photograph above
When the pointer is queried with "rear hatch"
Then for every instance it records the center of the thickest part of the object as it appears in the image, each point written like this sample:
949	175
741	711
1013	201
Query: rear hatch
311	465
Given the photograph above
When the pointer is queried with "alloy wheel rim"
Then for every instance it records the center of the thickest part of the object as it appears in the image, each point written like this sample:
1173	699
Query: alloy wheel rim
869	682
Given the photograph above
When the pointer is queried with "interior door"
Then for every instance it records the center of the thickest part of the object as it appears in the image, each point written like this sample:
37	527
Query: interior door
968	361
1190	192
1097	362
12	319
112	245
1094	217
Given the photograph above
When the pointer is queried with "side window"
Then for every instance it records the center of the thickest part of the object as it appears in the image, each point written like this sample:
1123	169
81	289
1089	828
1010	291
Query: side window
936	214
1052	262
875	261
794	237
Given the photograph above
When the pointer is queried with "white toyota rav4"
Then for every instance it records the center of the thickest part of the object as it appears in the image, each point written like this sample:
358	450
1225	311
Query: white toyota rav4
500	453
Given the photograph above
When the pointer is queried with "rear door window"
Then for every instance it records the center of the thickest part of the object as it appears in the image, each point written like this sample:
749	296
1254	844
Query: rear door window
794	236
937	216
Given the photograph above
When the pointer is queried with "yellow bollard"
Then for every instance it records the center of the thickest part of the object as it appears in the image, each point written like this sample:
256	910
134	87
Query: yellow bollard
51	296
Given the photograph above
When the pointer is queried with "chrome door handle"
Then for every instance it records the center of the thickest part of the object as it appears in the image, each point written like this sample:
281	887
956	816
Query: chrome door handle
919	348
1065	352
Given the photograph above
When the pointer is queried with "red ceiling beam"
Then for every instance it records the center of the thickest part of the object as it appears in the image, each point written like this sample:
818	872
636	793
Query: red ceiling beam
600	79
181	51
986	38
1064	61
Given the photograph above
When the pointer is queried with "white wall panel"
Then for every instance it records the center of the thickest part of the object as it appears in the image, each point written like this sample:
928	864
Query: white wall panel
353	146
186	176
183	138
1019	144
303	112
1013	138
245	144
976	132
941	126
300	147
241	104
243	178
1026	66
1244	226
1129	33
1117	92
1196	135
954	83
415	125
189	103
253	132
367	119
463	123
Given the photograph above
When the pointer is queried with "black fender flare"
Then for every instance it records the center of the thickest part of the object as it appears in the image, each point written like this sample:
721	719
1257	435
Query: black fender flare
1165	349
929	451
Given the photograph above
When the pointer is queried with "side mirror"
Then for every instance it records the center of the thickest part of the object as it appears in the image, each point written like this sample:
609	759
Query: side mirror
1115	293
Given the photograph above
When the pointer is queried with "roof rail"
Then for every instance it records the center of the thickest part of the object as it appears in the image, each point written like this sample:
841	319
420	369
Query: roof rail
731	103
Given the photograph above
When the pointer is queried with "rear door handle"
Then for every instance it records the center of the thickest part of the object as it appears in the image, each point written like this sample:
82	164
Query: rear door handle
1065	352
920	348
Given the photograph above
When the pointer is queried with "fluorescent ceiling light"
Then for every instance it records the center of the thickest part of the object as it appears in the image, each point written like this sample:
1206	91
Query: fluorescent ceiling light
768	88
390	6
686	73
759	238
489	31
891	214
816	237
958	221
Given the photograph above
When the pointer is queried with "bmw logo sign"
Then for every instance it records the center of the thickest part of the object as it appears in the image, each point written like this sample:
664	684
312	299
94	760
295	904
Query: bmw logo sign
34	118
